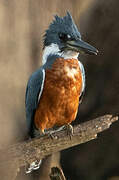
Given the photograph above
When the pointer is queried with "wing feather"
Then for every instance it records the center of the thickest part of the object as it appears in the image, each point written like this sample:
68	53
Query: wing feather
33	94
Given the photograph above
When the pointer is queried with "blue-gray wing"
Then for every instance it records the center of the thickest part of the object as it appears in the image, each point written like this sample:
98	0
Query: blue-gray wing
83	81
33	93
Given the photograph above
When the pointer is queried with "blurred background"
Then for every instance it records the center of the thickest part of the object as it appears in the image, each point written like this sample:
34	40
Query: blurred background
22	25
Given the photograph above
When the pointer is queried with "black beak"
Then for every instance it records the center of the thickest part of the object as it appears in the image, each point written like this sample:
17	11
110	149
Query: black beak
81	46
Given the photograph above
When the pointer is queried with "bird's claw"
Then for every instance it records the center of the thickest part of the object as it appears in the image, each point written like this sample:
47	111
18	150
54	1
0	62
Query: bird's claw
52	136
69	129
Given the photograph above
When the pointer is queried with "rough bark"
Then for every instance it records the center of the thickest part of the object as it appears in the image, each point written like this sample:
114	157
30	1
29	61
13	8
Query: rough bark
26	152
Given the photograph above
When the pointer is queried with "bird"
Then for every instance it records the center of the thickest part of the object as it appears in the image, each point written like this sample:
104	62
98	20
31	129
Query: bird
55	90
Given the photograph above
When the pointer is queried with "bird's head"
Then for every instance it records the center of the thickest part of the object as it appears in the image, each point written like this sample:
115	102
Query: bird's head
63	38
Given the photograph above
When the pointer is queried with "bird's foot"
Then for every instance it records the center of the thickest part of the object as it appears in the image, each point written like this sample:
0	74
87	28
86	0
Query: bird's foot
51	132
53	136
33	166
69	129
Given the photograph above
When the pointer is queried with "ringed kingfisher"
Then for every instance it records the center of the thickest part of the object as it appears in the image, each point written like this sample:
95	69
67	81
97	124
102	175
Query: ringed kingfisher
55	90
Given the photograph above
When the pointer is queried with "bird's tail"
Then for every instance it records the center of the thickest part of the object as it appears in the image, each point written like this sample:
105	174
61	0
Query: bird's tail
33	166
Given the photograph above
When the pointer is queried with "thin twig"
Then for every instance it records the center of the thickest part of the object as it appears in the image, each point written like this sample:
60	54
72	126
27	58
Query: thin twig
57	174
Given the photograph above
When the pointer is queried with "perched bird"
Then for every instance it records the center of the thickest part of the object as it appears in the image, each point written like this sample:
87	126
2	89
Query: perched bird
54	91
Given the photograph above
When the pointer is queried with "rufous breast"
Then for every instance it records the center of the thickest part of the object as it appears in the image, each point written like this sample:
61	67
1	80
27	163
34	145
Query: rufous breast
59	101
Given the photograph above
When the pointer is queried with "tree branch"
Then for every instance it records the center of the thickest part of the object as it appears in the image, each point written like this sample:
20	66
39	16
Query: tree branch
57	174
26	152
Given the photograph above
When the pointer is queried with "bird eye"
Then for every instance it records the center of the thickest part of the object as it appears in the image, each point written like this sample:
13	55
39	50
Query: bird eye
64	37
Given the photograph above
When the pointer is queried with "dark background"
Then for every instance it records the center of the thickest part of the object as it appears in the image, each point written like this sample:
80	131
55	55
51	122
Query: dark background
22	25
